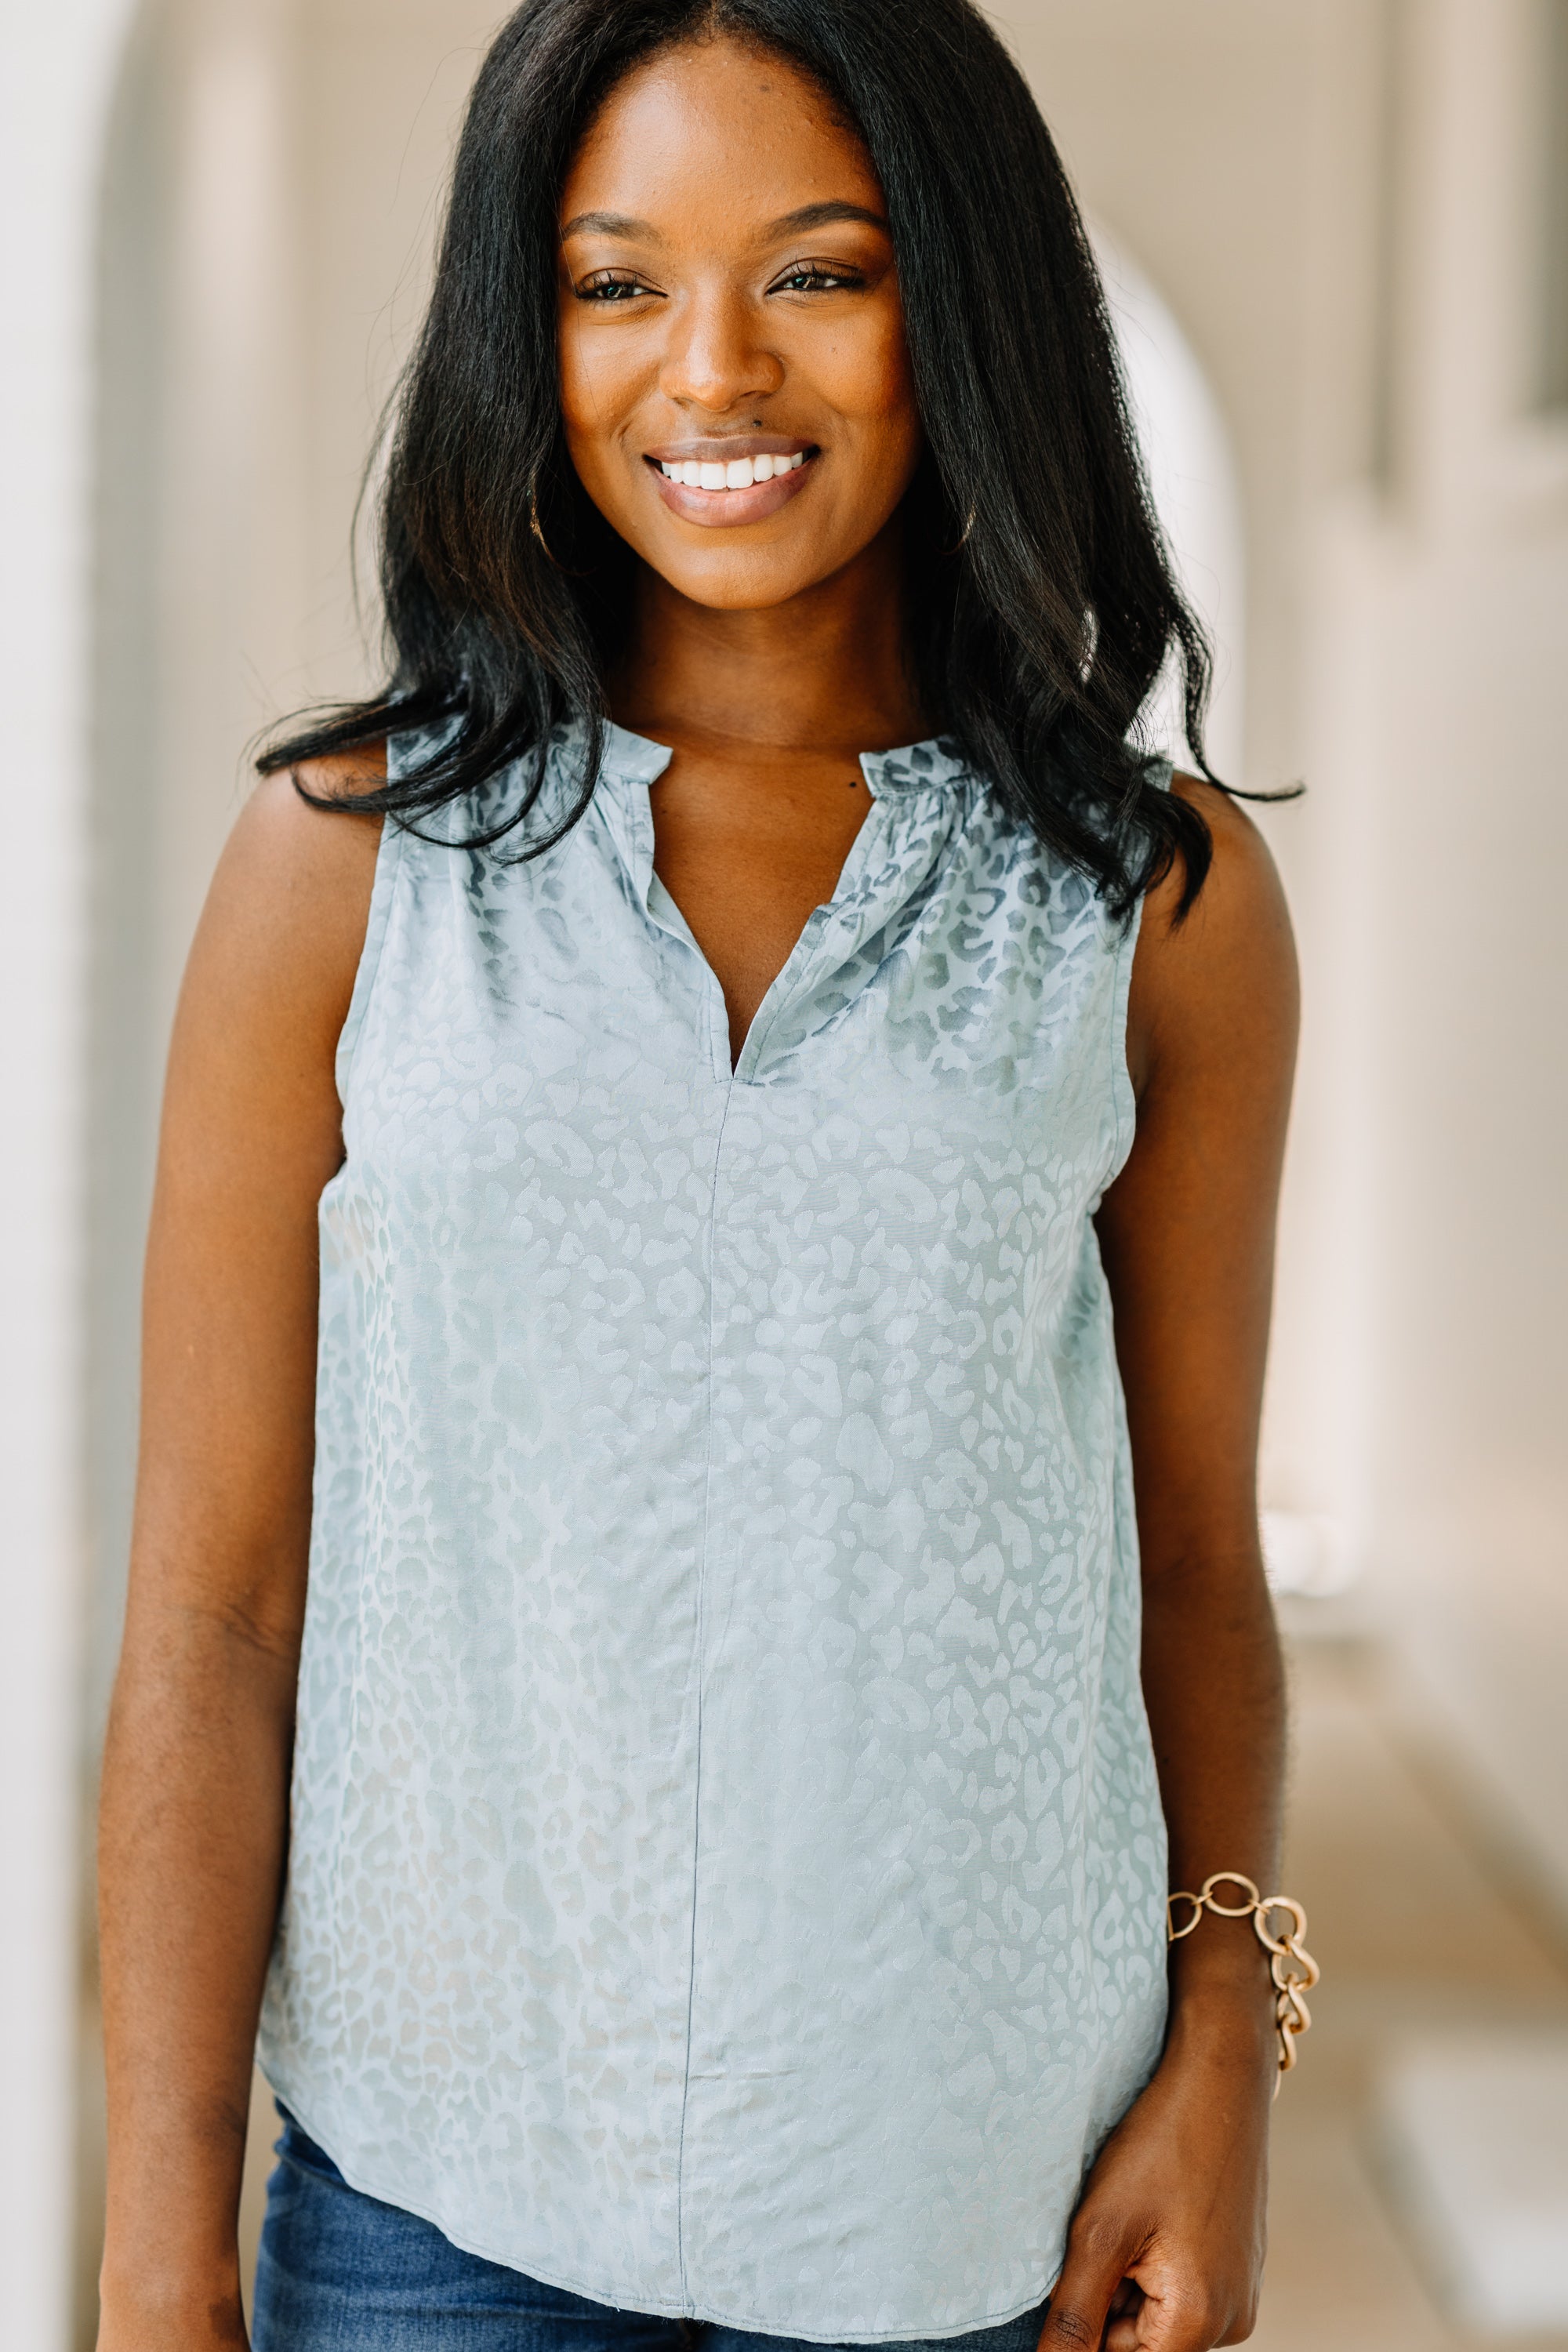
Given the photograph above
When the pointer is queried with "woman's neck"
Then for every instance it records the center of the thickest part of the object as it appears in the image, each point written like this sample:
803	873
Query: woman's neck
828	671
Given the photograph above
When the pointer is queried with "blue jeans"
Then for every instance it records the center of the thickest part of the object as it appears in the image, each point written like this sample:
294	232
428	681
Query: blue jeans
340	2272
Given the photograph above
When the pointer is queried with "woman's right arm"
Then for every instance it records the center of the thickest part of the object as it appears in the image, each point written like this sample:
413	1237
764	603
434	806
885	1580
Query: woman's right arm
195	1785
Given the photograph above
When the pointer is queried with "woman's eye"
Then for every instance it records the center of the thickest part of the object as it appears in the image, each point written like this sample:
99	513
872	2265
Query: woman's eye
816	278
611	289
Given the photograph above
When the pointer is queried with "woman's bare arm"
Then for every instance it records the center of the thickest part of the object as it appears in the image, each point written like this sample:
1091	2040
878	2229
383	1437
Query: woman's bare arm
195	1775
1176	2203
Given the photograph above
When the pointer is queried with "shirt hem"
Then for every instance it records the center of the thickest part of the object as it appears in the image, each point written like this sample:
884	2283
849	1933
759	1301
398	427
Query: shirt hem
361	2177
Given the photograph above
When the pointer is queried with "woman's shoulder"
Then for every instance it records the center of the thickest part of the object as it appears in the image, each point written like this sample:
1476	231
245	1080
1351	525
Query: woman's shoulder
1240	893
287	914
300	843
1227	961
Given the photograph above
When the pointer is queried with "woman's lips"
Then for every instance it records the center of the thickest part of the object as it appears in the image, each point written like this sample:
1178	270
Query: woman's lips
724	508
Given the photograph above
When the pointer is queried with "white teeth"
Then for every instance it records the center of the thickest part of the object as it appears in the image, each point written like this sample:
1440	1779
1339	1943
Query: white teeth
738	475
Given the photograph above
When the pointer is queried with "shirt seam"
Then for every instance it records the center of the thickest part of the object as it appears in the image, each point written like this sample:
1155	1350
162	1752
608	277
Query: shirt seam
701	1650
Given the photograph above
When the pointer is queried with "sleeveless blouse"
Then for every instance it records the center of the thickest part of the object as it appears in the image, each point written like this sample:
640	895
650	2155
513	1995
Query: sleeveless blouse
726	1874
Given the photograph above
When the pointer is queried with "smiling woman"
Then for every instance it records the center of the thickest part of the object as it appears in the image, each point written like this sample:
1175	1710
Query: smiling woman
707	1301
796	312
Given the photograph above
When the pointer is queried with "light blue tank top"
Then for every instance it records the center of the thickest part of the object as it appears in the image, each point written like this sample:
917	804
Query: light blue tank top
727	1874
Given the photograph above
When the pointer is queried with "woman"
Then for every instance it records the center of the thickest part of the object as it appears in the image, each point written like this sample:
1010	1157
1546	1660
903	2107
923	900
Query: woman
780	1016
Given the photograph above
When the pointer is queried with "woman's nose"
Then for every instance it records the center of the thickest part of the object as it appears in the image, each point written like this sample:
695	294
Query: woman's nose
717	355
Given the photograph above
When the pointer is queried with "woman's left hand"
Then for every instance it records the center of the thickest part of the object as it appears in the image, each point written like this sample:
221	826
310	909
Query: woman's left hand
1165	2253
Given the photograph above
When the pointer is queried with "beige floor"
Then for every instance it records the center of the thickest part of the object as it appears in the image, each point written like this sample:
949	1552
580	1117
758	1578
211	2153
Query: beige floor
1416	1924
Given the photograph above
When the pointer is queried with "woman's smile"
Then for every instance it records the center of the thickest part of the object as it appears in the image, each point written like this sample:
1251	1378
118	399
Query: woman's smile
739	478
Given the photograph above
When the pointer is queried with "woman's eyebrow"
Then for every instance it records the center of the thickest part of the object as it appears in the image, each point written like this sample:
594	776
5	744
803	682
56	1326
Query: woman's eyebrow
822	216
609	224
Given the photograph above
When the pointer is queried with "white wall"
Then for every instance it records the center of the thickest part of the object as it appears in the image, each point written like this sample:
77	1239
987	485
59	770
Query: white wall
1192	473
1458	596
53	97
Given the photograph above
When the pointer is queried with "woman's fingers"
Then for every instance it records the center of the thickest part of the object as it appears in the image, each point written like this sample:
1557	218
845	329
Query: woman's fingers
1172	2315
1096	2265
1122	2331
1098	2306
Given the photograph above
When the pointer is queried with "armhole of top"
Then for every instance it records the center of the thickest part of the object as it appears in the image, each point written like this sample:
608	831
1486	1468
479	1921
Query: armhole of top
1123	1096
388	856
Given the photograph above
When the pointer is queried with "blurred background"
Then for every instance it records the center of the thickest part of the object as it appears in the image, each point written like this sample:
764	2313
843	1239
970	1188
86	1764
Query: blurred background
1336	232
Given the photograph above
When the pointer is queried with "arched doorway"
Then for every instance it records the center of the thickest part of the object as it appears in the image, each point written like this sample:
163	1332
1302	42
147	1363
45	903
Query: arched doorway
1197	493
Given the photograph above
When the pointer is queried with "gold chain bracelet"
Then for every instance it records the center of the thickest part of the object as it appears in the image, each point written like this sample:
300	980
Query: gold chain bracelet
1290	1965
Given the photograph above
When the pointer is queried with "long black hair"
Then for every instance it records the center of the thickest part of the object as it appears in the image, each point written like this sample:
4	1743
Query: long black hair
1042	596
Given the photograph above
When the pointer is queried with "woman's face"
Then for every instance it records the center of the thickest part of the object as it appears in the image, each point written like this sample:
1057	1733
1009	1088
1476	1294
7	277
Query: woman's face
735	380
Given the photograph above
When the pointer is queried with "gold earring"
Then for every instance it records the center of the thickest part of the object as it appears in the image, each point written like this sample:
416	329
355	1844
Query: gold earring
962	538
534	522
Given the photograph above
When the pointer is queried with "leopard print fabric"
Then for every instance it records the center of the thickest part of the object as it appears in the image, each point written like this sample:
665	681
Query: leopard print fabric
727	1873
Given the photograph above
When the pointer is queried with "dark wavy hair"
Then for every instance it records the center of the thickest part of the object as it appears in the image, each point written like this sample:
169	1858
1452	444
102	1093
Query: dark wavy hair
1042	599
